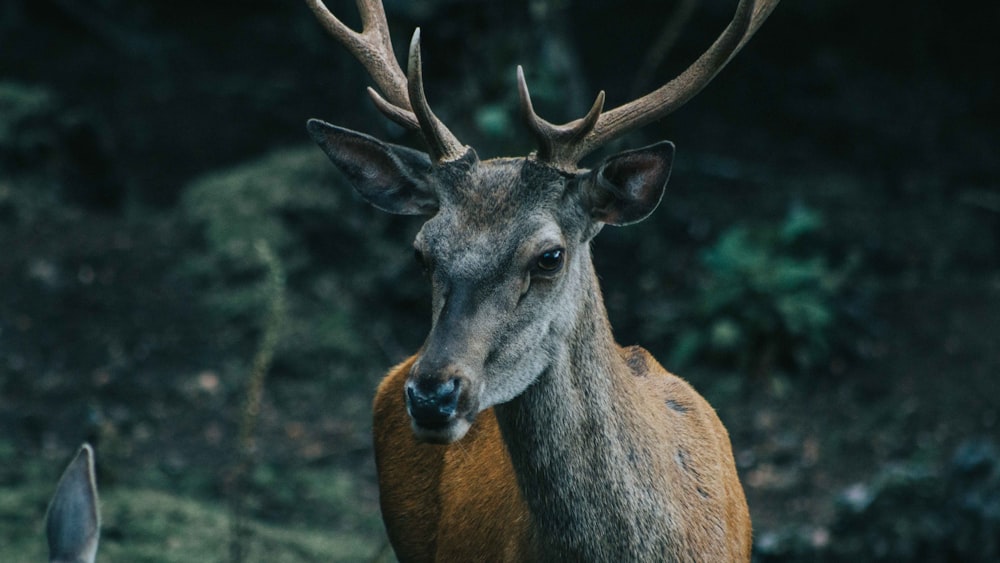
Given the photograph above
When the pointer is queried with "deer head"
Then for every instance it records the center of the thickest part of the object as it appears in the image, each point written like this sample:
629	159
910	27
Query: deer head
506	241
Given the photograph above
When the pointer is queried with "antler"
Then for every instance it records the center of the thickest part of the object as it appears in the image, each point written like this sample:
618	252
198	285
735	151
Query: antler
404	101
564	145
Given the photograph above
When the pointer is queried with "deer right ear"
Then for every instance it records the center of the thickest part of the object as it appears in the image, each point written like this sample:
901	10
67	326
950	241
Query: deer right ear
393	178
628	186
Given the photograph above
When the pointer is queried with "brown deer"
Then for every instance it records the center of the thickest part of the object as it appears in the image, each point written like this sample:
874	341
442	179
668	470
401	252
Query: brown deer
521	431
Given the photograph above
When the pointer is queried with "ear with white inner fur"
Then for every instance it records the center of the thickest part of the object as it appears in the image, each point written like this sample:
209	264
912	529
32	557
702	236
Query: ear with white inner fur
628	186
393	178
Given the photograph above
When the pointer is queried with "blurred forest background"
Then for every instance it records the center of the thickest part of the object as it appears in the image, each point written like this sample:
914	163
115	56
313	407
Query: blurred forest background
825	267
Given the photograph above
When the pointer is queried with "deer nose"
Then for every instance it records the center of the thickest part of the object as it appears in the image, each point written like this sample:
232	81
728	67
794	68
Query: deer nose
432	402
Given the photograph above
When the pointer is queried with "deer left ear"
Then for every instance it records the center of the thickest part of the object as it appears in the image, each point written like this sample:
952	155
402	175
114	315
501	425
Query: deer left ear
393	178
628	186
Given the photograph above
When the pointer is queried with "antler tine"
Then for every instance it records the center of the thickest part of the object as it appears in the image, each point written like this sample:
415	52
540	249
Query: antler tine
549	135
567	152
402	117
663	101
404	101
372	47
443	145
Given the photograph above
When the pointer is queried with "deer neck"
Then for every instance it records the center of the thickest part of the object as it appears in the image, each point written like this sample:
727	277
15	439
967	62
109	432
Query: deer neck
575	428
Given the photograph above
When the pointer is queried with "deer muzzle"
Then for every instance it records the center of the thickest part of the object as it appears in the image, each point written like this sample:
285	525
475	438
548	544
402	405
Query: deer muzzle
432	402
440	401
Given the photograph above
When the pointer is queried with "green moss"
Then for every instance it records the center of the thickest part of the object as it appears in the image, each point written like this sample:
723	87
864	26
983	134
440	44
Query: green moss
151	526
335	250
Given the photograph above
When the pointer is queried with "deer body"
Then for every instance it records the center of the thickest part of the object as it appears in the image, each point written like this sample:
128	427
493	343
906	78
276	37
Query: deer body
521	431
604	456
597	455
462	502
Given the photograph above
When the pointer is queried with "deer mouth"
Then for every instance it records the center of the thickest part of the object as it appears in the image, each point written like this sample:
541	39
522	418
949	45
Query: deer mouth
441	404
446	433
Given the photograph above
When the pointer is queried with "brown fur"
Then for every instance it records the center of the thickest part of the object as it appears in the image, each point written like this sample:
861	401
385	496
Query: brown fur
462	502
458	502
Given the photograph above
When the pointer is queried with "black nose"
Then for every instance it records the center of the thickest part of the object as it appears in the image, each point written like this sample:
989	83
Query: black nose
432	402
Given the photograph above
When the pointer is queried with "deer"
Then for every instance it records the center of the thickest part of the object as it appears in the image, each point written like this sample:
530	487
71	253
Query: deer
520	430
73	519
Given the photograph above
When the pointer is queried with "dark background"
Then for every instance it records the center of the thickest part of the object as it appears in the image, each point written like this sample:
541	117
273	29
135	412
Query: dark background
825	268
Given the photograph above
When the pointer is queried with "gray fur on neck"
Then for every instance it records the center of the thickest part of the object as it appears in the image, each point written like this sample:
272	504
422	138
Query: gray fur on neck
588	469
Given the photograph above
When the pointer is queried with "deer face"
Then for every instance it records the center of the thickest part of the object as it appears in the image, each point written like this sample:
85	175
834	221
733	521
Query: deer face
506	249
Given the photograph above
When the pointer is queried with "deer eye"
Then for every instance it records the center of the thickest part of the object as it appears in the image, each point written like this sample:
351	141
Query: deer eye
550	261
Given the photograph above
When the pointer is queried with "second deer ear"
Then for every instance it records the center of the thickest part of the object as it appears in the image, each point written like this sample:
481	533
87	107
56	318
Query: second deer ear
628	186
392	178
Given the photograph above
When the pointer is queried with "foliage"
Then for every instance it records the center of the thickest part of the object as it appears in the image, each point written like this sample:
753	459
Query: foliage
909	513
765	301
254	395
142	525
25	113
27	131
337	254
342	265
50	150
